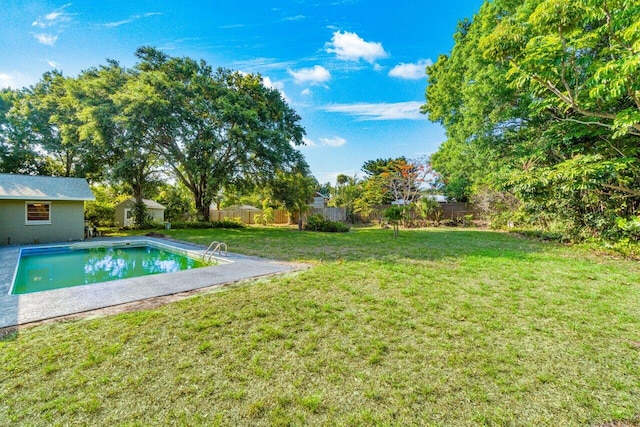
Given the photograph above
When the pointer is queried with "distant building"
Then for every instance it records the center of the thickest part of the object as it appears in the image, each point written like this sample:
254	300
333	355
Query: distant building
438	198
319	201
42	209
124	212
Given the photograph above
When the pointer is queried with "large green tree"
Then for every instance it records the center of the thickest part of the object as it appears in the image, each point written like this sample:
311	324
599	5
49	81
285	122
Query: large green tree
346	193
294	190
579	59
210	130
117	132
17	154
52	108
214	128
540	98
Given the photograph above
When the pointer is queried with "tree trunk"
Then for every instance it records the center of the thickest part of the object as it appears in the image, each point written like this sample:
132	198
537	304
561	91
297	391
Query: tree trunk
139	210
203	210
202	204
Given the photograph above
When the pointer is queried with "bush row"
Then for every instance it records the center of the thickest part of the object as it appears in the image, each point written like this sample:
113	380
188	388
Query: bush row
225	223
318	223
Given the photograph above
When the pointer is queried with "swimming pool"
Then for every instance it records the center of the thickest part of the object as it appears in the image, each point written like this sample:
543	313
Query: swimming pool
55	267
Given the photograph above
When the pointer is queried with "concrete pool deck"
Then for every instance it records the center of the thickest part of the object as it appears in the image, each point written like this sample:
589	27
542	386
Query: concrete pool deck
37	306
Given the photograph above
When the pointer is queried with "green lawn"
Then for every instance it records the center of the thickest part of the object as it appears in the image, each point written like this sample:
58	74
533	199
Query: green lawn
436	327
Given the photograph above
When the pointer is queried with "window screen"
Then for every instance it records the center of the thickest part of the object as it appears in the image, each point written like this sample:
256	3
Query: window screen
39	212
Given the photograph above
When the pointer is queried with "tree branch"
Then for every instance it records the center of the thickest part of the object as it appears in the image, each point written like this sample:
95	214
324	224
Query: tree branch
623	189
582	122
571	102
633	94
563	70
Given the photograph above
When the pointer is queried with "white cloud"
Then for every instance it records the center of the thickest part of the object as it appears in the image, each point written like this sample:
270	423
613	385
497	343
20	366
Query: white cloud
46	39
277	85
295	18
54	18
272	84
6	81
232	26
306	92
315	75
53	64
263	64
118	23
336	141
131	19
15	80
411	71
385	111
351	47
308	142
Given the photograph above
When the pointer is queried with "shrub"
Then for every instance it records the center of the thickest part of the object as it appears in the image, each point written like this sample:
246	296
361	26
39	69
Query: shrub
427	208
499	208
318	223
225	223
314	222
267	217
394	215
629	227
437	217
154	225
100	213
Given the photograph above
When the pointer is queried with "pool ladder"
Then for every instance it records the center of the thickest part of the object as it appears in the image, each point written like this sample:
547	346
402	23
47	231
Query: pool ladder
214	247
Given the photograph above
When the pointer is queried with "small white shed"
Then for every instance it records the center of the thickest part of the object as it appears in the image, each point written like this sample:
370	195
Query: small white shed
124	212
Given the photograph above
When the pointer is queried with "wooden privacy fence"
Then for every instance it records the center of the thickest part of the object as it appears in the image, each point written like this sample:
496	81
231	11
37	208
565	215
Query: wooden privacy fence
457	210
330	214
280	216
247	216
451	210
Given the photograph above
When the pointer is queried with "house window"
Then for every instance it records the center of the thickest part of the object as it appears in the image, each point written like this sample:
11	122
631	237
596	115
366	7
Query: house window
38	212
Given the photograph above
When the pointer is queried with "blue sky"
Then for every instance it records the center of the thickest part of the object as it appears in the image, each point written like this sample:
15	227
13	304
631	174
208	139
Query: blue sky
352	69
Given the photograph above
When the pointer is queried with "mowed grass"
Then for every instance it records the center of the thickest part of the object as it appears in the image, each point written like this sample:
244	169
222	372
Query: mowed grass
436	327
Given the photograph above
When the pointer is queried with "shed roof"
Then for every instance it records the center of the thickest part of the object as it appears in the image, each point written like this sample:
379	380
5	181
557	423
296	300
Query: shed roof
438	198
151	204
33	187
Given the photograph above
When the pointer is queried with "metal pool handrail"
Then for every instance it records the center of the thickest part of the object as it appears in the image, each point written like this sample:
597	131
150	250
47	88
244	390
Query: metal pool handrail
217	246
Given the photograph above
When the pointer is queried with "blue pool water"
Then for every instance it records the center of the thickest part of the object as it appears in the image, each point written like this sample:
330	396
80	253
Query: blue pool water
42	269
